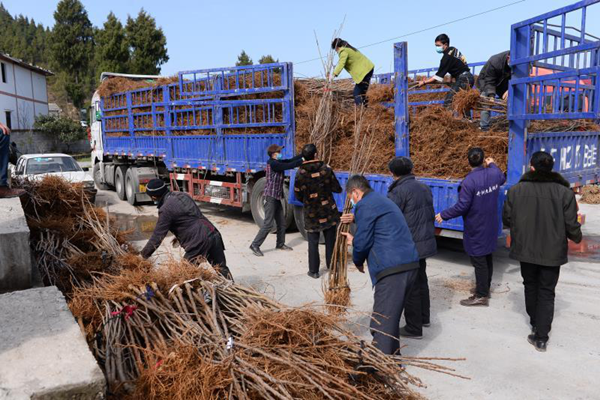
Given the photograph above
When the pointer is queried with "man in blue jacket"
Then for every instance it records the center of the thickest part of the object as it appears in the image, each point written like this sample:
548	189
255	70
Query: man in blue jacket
478	205
416	203
385	242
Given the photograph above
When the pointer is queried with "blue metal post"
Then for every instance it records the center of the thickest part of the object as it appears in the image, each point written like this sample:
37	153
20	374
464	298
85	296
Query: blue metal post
130	115
287	80
219	141
401	99
520	43
167	116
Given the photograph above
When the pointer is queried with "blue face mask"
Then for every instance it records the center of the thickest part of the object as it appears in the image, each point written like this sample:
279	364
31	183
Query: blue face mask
279	156
439	49
352	202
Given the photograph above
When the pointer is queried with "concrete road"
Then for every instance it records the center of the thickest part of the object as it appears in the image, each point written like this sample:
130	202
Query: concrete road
499	360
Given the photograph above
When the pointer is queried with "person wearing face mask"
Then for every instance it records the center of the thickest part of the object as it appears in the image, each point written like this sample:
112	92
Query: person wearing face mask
384	240
454	63
179	213
276	166
358	66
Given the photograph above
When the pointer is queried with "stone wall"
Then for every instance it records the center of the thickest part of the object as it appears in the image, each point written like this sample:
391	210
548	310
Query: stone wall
29	142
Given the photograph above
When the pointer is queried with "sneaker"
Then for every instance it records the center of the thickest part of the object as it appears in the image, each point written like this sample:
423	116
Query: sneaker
284	247
256	251
426	324
540	345
6	192
314	275
406	334
474	301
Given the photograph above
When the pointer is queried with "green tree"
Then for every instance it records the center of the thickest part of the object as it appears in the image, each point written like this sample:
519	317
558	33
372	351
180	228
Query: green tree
243	59
72	48
65	129
147	43
268	59
112	49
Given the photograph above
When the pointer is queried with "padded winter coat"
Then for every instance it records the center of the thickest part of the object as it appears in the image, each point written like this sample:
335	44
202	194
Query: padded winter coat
314	186
382	238
541	212
416	203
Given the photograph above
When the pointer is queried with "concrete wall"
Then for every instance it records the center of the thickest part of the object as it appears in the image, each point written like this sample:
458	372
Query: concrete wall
15	254
29	142
24	94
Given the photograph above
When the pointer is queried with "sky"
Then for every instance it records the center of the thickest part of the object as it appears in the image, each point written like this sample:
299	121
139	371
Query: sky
209	34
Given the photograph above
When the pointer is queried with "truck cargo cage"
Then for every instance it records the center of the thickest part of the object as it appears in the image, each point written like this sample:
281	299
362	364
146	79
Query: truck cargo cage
200	120
555	77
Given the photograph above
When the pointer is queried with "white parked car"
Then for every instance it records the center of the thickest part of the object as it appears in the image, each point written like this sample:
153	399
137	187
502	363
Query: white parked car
36	166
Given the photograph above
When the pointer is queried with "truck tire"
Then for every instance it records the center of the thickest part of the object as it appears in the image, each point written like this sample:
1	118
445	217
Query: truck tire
131	187
257	205
299	219
120	172
97	178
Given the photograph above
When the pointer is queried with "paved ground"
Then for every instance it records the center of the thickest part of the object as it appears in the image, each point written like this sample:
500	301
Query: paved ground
500	362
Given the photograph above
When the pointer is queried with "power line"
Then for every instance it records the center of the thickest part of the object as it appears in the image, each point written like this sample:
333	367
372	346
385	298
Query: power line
428	29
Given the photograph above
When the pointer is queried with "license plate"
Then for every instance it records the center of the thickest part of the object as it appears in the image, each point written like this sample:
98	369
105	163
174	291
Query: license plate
142	188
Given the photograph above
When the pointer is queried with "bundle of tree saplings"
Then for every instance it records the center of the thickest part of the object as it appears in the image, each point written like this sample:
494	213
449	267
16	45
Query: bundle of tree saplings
182	331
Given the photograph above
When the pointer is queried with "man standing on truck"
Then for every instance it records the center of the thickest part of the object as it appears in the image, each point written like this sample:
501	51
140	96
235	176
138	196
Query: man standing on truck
541	212
454	63
179	213
383	240
416	203
478	205
276	167
314	186
493	80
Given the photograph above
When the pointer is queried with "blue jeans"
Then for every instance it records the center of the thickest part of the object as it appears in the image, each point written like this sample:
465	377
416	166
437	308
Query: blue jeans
4	152
484	123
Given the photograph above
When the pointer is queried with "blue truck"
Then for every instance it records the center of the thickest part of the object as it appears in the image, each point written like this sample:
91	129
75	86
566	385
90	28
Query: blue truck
207	132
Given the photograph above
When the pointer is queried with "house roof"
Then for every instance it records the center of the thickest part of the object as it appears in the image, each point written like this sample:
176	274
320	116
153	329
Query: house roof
21	63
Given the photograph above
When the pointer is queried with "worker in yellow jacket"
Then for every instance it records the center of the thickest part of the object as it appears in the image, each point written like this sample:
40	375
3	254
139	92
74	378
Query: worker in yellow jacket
358	66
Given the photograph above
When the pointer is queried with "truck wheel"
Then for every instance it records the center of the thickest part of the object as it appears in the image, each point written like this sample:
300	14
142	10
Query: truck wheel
257	205
131	187
97	178
120	181
299	219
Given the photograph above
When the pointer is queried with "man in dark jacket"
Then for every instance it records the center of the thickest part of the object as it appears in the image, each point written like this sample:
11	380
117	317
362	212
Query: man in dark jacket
493	80
275	176
314	186
541	212
416	203
179	213
383	240
478	205
453	62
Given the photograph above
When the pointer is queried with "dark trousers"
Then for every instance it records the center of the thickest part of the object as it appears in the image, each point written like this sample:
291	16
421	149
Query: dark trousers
215	255
484	269
314	260
540	284
273	214
360	90
4	153
416	310
464	81
390	296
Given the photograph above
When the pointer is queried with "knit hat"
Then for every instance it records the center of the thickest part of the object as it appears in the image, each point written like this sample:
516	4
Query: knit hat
274	148
400	166
156	188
